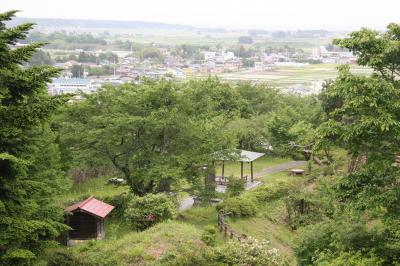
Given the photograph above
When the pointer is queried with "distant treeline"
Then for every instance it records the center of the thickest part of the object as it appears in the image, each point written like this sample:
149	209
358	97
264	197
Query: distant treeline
87	23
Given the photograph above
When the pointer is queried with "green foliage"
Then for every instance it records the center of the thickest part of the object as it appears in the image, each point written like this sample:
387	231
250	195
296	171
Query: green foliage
294	123
62	257
77	71
302	209
209	236
87	58
238	206
235	186
302	133
100	71
266	193
374	131
120	202
348	258
143	212
30	169
160	244
363	118
61	40
377	50
151	53
190	253
249	252
245	40
157	132
41	58
353	239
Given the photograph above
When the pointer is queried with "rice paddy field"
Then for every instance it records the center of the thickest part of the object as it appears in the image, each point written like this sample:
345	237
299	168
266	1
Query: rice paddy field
287	76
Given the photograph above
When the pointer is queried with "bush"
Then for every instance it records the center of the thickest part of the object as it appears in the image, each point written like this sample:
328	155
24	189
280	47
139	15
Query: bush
189	253
143	212
333	241
238	206
348	259
120	202
266	193
63	257
209	236
303	208
249	252
235	186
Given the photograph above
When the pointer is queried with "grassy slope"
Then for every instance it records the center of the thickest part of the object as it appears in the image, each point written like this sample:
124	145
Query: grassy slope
269	223
143	248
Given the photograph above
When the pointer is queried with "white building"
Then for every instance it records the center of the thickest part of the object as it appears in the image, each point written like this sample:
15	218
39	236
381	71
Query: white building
209	55
218	57
258	66
71	85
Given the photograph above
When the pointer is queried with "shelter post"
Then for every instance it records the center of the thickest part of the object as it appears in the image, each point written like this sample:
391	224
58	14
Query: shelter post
251	170
241	169
223	169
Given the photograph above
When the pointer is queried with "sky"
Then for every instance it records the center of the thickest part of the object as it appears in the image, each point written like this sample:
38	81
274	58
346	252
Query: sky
231	14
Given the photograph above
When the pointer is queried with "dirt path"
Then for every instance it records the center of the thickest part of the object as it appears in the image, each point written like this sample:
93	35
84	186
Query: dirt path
187	203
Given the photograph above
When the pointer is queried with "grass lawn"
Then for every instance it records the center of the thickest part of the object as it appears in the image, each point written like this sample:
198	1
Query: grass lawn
96	187
233	168
201	217
283	176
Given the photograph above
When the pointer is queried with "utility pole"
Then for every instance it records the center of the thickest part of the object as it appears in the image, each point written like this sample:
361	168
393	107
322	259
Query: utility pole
114	67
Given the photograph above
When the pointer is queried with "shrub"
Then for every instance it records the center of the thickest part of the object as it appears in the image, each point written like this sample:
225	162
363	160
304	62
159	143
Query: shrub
235	186
120	202
63	257
209	236
334	241
266	193
249	252
303	209
189	253
348	259
143	212
238	206
328	170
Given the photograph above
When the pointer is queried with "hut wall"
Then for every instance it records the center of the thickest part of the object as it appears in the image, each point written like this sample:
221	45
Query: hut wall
84	226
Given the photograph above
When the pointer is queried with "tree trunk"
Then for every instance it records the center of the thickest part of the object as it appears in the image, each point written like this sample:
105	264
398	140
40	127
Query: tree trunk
209	180
164	185
357	161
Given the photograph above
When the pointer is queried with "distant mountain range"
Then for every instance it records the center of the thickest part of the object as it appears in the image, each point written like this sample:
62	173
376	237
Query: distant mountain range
87	23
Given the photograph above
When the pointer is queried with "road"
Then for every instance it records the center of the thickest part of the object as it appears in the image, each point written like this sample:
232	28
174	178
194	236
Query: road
187	203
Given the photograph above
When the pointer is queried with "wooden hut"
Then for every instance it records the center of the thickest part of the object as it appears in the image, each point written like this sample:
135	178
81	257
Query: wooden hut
87	219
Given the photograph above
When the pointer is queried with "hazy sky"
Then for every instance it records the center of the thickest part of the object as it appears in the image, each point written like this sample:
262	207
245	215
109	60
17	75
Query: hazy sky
262	14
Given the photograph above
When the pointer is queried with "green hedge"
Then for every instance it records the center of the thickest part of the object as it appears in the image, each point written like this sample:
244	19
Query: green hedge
238	206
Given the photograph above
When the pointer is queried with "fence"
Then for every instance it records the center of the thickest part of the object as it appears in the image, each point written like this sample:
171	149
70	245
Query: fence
228	232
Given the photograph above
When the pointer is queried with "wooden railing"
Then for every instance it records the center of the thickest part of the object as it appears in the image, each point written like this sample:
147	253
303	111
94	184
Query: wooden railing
228	232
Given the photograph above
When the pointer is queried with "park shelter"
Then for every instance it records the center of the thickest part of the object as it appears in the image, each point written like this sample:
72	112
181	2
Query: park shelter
87	219
244	157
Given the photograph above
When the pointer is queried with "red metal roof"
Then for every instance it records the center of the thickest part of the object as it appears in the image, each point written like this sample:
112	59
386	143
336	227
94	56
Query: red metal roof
92	206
